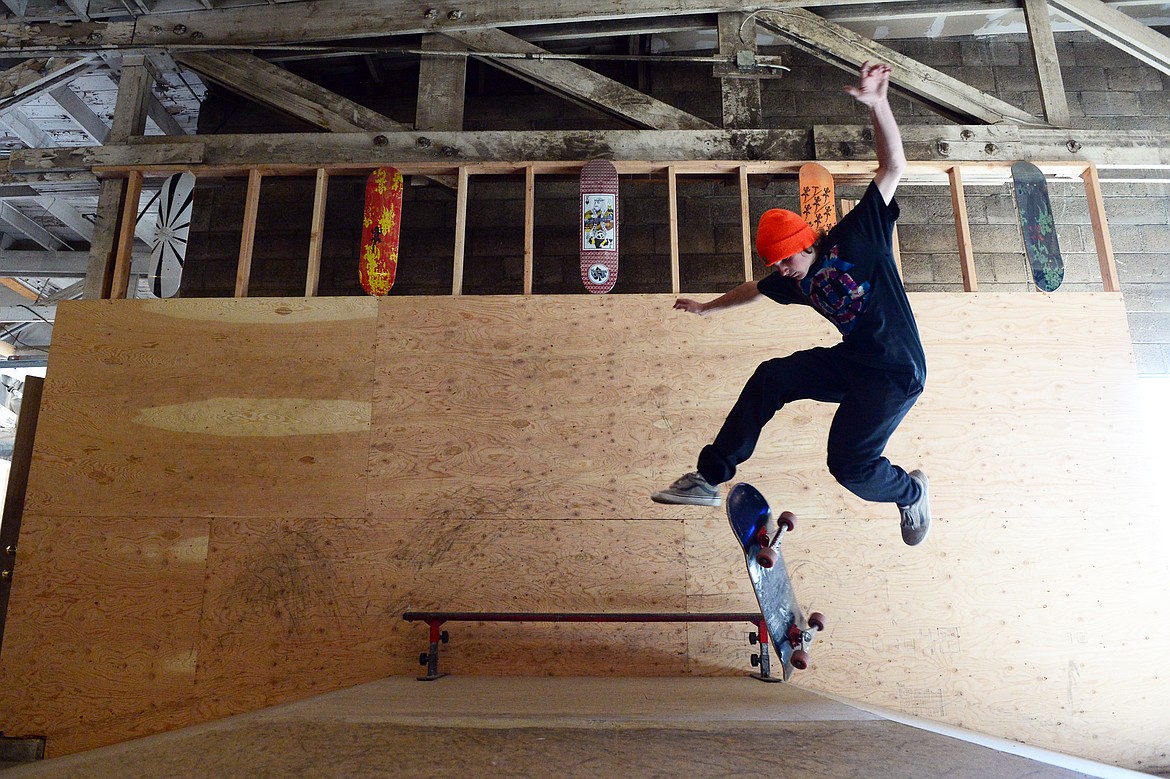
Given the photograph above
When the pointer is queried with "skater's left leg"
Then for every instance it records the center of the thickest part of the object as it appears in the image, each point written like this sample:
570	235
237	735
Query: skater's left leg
869	414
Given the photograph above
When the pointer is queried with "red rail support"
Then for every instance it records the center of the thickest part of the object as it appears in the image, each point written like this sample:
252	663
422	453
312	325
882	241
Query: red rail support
436	619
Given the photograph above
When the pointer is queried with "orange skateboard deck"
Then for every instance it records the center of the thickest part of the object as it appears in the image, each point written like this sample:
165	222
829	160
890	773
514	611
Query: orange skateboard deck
381	223
599	226
817	204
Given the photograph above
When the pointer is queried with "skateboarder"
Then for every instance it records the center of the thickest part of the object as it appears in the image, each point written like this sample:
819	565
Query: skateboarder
877	371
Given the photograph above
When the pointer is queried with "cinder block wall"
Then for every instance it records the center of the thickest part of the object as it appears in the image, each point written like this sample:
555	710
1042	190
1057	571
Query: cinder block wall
1107	89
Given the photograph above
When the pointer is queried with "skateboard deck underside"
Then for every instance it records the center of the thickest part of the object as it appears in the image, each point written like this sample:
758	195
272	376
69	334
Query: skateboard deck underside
747	510
167	252
1038	226
777	602
381	226
817	198
599	226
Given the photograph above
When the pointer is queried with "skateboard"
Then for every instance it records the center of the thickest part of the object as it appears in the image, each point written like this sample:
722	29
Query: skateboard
816	197
1038	226
599	226
760	534
381	223
169	248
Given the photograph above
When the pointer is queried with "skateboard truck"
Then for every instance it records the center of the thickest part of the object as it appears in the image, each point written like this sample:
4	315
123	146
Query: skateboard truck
774	529
762	660
799	640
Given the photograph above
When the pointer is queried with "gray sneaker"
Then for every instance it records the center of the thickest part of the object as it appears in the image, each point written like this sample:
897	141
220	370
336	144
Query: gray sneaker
692	490
916	517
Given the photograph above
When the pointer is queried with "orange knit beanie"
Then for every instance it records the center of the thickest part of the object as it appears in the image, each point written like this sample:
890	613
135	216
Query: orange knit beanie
782	234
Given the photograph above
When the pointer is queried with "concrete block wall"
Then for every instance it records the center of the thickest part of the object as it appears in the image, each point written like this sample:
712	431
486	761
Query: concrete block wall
1106	88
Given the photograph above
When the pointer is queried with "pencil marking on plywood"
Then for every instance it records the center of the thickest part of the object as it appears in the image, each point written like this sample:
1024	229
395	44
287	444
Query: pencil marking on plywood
259	417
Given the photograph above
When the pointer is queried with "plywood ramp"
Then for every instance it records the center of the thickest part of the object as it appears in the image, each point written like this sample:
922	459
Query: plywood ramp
570	727
232	502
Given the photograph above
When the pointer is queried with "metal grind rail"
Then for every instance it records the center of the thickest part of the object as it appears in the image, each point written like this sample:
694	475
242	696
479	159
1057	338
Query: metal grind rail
436	619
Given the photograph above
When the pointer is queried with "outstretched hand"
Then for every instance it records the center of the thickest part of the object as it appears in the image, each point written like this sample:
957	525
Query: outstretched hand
690	306
872	85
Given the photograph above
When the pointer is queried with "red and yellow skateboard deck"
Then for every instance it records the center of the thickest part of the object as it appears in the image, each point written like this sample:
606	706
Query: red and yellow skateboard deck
381	224
599	226
817	204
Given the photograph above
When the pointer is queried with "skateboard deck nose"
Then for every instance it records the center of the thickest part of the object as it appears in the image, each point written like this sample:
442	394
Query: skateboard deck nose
747	509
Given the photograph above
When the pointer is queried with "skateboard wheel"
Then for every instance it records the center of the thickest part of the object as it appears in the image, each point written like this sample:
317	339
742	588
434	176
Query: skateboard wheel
766	557
755	661
753	638
787	520
444	637
816	620
800	659
423	659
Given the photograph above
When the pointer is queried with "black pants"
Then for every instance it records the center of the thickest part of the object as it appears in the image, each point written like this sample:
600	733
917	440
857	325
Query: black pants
872	404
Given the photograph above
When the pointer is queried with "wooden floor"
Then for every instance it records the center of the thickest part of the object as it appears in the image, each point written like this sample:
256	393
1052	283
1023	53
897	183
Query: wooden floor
479	726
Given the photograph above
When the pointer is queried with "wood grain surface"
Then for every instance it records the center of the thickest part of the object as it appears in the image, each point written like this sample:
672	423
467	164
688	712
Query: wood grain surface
232	502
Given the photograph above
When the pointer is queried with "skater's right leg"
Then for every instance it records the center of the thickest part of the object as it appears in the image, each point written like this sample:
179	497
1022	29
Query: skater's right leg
813	374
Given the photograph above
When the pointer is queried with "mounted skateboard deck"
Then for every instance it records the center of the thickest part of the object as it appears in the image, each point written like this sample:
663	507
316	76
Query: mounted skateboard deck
381	225
791	635
599	226
817	204
1038	226
173	223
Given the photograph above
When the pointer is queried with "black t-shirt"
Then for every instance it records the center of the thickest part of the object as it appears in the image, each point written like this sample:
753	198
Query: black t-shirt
854	283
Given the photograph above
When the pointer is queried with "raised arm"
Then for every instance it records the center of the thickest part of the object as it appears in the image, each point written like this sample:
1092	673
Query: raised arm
871	91
744	293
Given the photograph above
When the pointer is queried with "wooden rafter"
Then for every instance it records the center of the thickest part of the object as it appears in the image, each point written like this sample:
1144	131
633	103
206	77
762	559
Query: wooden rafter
31	78
1122	31
1047	62
846	49
578	83
265	83
80	112
260	81
316	20
29	263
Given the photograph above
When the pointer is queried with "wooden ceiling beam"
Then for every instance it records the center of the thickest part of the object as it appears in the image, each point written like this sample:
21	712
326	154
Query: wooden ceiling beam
847	50
80	113
1132	149
1047	63
264	83
1122	31
33	77
442	85
442	149
320	20
351	153
578	83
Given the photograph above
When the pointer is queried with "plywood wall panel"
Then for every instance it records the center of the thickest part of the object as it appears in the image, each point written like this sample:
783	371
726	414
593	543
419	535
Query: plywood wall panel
206	407
574	404
102	646
511	444
297	607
